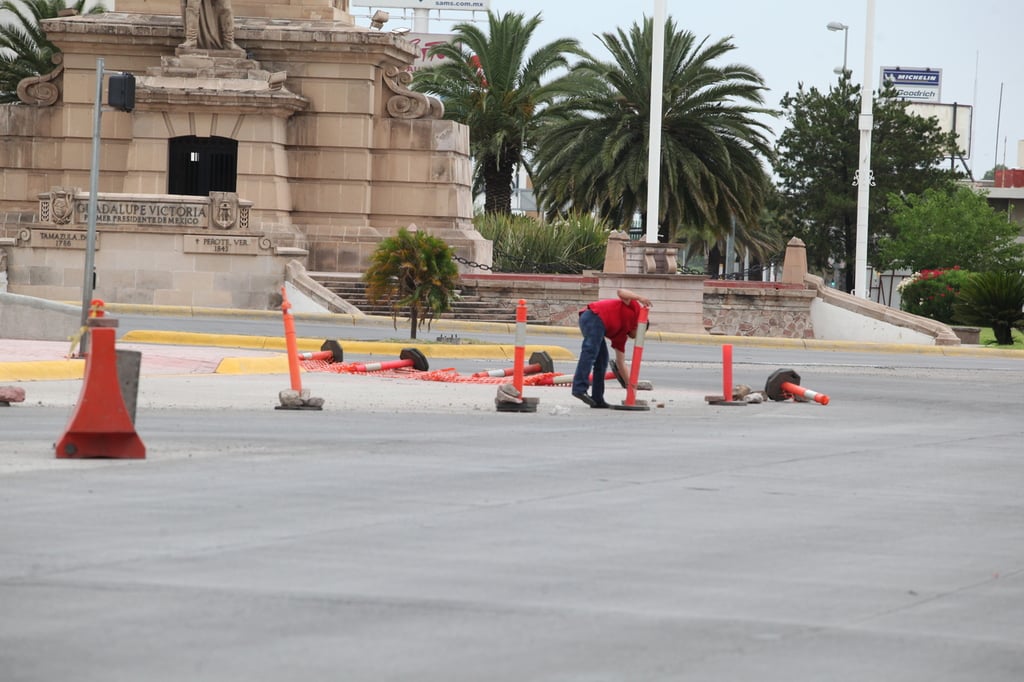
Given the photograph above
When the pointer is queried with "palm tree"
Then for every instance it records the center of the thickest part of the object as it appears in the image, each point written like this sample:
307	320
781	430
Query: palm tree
993	299
413	270
594	154
25	50
490	83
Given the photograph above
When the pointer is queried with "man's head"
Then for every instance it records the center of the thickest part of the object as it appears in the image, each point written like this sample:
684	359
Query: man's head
632	333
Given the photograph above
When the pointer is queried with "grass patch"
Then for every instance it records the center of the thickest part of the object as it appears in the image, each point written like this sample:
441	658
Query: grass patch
988	338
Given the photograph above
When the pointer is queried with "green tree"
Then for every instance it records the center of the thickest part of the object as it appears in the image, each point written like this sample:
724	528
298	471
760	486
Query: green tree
594	154
25	50
940	229
490	83
818	155
416	271
991	174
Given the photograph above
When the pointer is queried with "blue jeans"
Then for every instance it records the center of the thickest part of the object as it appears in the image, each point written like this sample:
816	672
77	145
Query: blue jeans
593	356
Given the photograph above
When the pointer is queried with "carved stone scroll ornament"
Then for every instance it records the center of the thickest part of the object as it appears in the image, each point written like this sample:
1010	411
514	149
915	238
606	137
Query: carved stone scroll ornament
404	103
42	91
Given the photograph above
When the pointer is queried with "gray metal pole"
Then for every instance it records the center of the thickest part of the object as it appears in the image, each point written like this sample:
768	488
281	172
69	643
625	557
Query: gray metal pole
94	180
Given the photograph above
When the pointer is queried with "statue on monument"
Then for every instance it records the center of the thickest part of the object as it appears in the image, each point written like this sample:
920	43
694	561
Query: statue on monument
209	24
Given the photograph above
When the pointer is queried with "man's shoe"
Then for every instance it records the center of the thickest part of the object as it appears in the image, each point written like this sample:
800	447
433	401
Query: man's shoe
600	404
585	398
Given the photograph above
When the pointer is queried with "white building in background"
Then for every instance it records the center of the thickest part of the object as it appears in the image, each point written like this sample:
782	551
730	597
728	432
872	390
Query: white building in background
1006	190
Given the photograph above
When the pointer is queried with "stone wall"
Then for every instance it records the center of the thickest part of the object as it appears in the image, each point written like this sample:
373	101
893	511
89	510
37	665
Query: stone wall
153	269
758	309
552	299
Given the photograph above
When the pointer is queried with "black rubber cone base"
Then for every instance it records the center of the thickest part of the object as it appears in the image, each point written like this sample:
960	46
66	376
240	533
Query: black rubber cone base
719	400
299	407
638	406
528	405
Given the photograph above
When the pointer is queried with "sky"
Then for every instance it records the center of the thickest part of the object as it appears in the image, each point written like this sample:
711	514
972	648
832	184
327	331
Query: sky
975	44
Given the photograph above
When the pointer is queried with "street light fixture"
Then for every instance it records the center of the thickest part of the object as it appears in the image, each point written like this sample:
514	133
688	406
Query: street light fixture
837	26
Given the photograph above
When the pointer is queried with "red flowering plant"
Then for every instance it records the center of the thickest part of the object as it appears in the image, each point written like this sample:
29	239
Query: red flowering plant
931	293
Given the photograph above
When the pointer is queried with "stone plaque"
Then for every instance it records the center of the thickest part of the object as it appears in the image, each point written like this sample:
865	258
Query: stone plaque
229	246
146	212
60	239
66	206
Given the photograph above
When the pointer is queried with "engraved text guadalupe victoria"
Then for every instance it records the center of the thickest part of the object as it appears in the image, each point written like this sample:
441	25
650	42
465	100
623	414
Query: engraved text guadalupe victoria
132	213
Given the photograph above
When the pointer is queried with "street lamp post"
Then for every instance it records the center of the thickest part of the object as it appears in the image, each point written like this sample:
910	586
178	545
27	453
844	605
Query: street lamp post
865	178
837	26
654	124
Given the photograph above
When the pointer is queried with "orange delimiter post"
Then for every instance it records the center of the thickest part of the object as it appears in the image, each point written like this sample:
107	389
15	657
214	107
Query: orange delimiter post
289	342
638	353
519	358
727	372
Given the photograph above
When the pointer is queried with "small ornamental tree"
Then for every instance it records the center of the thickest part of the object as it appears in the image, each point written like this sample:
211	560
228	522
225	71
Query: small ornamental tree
993	299
416	271
931	293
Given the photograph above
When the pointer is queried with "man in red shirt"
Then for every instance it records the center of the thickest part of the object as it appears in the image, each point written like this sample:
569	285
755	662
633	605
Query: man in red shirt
614	319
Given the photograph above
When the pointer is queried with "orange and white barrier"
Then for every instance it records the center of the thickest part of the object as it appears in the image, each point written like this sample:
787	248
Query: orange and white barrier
805	393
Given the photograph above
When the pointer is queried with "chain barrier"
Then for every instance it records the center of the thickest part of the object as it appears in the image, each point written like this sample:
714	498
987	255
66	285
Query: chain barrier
471	263
753	274
534	268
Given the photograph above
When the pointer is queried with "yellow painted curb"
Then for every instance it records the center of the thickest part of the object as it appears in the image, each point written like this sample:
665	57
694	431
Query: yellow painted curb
42	370
216	340
278	365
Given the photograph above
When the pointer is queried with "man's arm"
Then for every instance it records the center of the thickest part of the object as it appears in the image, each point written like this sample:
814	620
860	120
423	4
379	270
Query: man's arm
620	362
625	295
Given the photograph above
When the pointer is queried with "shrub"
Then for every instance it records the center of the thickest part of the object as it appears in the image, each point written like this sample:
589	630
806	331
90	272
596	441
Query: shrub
931	293
413	270
993	299
566	246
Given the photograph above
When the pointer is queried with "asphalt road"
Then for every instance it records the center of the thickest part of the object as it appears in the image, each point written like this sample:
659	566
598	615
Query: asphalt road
410	532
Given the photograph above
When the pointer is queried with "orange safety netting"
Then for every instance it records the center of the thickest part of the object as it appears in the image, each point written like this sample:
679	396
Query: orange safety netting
448	374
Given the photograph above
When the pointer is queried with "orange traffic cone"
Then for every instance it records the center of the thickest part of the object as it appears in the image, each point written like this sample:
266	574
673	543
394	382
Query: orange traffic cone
101	425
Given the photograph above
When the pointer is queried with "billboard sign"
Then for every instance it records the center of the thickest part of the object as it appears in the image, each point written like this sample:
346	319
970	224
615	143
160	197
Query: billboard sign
423	42
917	85
481	5
951	117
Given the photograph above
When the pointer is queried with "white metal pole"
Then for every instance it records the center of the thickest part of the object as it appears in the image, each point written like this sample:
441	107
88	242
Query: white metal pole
864	178
421	20
654	139
94	180
846	44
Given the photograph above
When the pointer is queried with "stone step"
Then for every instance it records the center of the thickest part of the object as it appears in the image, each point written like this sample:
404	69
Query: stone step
469	307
